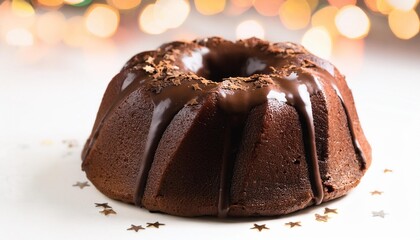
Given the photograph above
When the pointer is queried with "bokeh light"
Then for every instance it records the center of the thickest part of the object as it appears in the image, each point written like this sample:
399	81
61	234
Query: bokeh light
73	2
206	7
19	37
372	5
341	3
295	14
383	6
147	21
170	13
75	32
325	17
79	3
313	4
102	20
124	4
22	9
404	5
250	28
404	24
352	22
50	27
237	7
318	41
51	3
267	7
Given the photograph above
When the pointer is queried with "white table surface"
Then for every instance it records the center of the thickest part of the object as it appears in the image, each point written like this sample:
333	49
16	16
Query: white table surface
49	97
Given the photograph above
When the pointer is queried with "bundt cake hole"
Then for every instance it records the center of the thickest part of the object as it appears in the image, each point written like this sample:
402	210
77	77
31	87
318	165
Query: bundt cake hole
237	62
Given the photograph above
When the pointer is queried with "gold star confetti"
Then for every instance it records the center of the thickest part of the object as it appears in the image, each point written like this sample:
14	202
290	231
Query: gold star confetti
104	205
81	185
149	69
379	214
70	143
135	228
321	218
386	170
293	224
196	87
330	210
376	192
155	224
259	227
107	211
47	142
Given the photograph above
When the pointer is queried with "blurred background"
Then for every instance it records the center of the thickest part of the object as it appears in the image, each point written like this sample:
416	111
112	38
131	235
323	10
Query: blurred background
61	54
327	28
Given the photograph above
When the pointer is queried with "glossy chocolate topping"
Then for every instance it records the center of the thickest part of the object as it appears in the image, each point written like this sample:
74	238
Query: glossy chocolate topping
243	75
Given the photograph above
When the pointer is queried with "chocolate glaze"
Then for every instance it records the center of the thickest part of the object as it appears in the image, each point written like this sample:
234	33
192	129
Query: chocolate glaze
356	144
243	75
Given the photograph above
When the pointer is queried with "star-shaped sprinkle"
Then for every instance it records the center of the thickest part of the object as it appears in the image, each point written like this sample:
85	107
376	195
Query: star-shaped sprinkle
379	214
149	69
330	210
135	228
196	87
321	218
107	211
104	205
205	81
293	224
192	102
81	185
259	227
176	82
150	60
376	192
155	224
386	170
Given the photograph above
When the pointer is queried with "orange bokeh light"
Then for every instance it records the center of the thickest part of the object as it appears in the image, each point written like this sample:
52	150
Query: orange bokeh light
51	3
206	7
295	14
102	20
325	17
342	3
124	4
267	7
404	24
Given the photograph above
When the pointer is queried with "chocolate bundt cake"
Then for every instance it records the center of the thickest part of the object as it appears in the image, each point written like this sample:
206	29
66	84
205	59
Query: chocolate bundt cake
214	127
